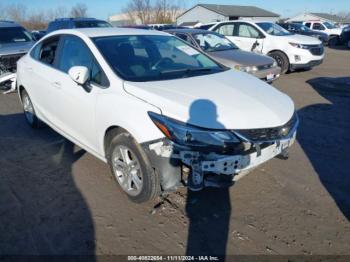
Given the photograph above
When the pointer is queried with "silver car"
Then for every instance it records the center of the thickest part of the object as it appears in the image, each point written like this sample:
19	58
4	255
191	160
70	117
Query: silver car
15	42
227	53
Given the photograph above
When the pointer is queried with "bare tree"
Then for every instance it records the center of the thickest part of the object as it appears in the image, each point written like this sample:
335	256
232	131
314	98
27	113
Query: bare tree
344	14
156	11
79	10
139	10
58	12
15	12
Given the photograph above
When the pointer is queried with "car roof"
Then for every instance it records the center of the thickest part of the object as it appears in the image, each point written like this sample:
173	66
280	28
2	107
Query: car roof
76	19
190	31
5	23
108	31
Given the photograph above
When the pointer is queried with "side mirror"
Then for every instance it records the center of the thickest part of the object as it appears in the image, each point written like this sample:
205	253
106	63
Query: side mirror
79	74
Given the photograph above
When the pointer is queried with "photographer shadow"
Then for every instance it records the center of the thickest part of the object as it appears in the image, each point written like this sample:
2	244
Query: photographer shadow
208	210
324	136
42	210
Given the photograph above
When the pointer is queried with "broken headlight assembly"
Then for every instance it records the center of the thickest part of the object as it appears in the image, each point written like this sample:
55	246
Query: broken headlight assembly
196	138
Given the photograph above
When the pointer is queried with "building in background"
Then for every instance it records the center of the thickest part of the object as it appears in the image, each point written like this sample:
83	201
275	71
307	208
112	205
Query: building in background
208	13
322	17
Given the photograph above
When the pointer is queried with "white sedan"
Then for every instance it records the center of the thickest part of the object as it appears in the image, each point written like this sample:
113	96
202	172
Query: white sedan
161	113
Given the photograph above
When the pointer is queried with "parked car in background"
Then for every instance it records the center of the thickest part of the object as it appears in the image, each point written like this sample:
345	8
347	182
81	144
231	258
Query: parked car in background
205	26
345	37
144	27
70	23
298	28
15	41
135	99
291	51
331	30
38	34
224	51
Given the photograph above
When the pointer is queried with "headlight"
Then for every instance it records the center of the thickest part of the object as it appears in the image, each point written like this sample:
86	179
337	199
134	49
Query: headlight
246	69
187	135
299	45
274	63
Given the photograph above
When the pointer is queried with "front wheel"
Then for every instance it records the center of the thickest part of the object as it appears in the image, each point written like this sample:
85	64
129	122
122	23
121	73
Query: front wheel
333	41
28	110
131	168
281	59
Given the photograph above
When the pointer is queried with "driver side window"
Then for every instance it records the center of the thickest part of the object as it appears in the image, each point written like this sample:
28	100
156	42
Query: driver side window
74	52
318	26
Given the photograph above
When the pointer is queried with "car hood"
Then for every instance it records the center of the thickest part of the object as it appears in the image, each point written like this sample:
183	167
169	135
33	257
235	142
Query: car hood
336	31
15	48
233	57
226	100
303	39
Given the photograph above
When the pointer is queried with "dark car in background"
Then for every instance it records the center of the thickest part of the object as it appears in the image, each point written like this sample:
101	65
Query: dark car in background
15	41
345	36
38	34
227	53
70	23
298	28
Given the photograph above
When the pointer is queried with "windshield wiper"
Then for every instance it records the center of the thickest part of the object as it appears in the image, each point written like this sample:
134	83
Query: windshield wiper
186	70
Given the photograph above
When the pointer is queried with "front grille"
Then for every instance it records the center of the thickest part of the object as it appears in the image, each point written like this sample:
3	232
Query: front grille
264	67
317	50
10	61
269	134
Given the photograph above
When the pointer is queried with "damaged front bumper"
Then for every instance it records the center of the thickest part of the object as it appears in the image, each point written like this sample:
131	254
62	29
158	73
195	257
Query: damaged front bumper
8	82
175	164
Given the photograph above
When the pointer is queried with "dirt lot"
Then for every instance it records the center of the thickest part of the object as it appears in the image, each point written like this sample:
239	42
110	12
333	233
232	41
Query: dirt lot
58	199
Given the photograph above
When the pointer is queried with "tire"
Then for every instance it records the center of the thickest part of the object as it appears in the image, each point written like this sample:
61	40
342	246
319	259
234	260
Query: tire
131	168
29	111
333	41
281	59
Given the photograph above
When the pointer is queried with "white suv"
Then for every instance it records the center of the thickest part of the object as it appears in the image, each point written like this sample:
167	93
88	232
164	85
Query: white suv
325	27
291	51
160	112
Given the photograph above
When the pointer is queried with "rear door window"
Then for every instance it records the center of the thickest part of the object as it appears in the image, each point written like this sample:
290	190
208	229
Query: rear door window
227	29
246	30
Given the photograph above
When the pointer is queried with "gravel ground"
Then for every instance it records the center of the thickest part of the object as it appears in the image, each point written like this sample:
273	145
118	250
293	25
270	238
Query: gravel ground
57	199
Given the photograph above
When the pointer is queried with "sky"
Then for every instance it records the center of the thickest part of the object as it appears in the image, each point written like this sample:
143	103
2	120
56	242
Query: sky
104	8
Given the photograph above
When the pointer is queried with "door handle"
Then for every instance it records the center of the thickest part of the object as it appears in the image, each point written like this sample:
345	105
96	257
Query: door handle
57	85
29	68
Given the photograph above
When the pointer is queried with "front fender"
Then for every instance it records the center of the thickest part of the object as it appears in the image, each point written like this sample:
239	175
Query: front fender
128	112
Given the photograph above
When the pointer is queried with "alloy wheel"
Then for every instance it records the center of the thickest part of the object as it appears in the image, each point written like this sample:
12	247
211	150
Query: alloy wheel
127	170
28	108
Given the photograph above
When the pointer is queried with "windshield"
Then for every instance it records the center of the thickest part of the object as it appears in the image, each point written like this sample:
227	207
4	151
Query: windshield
151	57
10	35
329	25
88	24
273	29
212	42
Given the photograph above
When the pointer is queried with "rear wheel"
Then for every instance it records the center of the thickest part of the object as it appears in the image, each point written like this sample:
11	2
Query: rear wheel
281	59
131	168
28	110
